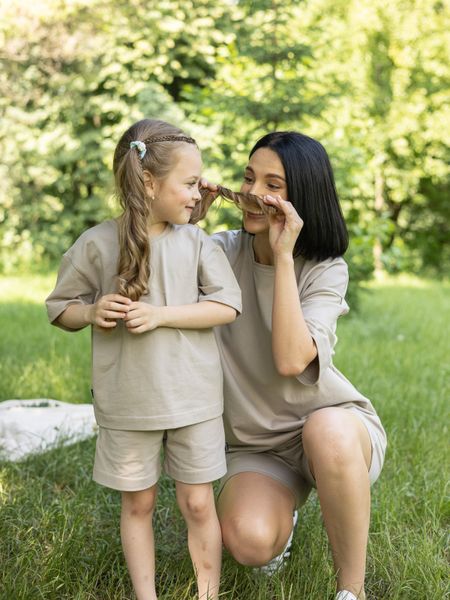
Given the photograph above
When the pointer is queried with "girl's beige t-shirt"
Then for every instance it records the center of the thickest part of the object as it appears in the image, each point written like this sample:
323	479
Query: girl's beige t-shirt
264	409
160	379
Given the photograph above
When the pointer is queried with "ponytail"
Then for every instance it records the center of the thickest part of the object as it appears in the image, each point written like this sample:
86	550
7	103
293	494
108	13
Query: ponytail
146	146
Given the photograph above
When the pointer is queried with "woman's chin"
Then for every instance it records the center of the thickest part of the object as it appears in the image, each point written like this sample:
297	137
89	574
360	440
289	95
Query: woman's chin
255	224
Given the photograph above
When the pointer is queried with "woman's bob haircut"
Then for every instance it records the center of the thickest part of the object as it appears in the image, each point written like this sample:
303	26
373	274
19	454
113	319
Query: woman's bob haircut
312	191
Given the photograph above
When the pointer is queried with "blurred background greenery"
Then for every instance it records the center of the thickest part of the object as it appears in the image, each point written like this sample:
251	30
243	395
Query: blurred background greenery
368	78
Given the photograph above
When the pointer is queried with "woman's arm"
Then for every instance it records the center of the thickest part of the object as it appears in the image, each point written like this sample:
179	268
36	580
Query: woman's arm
293	347
202	315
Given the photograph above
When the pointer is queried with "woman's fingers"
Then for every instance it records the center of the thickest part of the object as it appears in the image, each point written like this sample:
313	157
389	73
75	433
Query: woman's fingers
286	208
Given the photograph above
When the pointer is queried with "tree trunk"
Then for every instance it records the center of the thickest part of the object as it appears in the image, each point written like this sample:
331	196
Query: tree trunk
379	205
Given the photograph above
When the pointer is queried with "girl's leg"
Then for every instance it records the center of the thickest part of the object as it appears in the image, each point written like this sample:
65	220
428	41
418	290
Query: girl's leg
255	513
338	448
196	502
137	540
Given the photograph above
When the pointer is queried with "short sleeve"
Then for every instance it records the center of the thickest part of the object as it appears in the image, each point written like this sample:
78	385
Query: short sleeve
72	287
323	302
217	282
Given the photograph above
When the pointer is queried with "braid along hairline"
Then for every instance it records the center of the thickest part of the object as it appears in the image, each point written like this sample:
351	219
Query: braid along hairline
169	138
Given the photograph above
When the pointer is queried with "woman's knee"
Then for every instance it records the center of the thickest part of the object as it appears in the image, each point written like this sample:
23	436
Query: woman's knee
251	542
333	436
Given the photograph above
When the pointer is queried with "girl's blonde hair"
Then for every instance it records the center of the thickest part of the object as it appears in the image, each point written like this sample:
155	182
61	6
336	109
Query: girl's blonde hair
157	157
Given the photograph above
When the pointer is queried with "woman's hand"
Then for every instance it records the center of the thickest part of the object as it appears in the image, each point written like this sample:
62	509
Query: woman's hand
142	317
108	309
209	193
284	228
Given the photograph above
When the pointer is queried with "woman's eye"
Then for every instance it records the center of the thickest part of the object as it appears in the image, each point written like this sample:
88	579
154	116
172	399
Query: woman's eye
247	179
273	186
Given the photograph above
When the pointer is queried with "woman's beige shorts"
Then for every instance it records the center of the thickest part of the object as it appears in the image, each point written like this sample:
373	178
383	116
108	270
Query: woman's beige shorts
131	460
289	465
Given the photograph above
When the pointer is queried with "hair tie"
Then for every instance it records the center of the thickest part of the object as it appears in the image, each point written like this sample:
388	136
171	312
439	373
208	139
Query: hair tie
140	147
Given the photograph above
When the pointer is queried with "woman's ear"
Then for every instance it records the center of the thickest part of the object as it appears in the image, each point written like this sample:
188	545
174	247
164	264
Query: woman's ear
150	184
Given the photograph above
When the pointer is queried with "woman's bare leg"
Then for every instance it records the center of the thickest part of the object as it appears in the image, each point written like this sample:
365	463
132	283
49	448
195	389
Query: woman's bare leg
137	540
196	502
338	448
255	513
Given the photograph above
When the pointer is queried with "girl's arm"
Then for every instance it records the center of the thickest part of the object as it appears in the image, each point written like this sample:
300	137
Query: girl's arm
293	347
104	313
202	315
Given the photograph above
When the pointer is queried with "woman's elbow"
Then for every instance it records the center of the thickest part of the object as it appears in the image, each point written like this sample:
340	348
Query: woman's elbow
294	367
290	369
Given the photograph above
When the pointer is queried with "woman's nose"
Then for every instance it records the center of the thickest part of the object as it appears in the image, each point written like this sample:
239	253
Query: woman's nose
254	188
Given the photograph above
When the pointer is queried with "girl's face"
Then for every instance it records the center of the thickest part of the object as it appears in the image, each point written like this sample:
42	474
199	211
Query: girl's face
177	194
263	176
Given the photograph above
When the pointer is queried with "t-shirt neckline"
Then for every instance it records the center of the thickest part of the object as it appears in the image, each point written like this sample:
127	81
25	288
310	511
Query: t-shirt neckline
256	264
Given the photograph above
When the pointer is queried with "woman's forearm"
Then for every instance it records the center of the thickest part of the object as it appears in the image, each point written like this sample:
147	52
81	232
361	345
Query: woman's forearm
293	347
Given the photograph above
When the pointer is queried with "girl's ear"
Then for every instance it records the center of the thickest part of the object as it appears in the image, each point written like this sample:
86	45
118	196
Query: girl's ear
150	184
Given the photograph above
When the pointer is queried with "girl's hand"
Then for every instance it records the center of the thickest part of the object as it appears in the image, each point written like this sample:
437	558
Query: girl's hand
142	317
208	193
284	228
109	308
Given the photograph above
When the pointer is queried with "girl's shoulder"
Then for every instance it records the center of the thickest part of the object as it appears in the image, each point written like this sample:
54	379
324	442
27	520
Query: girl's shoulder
100	239
107	230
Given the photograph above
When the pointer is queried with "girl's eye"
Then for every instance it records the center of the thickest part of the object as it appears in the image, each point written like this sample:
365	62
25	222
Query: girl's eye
273	186
247	179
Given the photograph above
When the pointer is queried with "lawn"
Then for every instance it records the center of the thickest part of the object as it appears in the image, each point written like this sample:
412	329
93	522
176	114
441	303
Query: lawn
59	536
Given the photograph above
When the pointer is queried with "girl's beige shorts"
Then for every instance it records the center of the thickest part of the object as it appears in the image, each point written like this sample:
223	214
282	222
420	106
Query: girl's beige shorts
131	460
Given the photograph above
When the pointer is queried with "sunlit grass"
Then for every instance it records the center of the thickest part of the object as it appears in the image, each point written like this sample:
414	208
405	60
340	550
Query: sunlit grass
59	536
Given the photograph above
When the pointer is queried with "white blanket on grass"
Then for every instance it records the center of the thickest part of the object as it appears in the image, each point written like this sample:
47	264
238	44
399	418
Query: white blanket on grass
30	426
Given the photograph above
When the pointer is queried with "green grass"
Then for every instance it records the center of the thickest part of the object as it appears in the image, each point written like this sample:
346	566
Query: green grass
59	536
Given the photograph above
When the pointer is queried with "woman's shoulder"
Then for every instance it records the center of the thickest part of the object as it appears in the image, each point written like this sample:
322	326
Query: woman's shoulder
232	242
328	273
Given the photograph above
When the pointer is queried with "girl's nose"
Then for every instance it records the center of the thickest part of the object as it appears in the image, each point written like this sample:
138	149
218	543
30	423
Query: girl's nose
197	195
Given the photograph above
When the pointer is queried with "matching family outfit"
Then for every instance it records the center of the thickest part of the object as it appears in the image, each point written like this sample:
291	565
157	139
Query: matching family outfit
264	411
165	386
161	386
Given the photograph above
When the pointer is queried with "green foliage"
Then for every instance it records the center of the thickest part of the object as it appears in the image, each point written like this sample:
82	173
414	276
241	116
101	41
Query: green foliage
367	78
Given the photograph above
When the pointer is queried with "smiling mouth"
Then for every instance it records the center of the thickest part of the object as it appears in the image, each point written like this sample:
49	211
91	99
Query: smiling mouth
254	214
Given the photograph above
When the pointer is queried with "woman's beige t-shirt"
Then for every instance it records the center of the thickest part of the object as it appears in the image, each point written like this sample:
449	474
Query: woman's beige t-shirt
264	409
160	379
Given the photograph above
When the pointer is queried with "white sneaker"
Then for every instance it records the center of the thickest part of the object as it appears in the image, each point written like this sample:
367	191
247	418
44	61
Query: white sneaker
278	562
344	595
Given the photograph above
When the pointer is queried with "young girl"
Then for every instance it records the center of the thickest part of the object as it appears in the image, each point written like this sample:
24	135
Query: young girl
292	420
153	286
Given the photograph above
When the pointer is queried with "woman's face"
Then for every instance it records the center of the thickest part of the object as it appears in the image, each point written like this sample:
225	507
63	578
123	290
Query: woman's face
263	176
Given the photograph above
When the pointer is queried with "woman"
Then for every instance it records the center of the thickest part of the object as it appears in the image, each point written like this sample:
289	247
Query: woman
292	420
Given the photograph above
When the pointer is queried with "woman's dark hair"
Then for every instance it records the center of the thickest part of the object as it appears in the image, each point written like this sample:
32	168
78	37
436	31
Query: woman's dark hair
312	191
